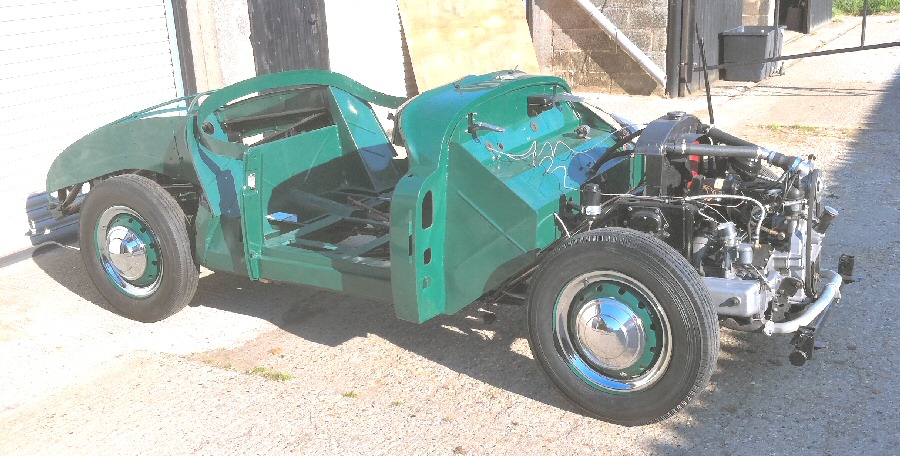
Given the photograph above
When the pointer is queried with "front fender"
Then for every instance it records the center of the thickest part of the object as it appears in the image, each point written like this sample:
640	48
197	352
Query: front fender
153	144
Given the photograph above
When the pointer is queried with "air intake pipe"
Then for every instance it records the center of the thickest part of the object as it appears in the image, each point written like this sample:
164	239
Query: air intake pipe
785	162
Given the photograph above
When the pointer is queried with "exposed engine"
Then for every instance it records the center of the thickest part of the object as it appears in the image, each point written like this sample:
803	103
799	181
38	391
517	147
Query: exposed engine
750	220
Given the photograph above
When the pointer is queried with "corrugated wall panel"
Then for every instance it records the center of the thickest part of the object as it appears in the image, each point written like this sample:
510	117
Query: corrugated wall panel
66	68
713	18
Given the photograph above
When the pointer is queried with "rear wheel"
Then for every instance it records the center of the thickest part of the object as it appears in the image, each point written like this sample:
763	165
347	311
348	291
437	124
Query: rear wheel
623	326
136	248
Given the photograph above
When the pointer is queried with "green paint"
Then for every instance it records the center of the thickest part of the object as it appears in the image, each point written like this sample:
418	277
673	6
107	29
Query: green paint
153	267
467	210
630	298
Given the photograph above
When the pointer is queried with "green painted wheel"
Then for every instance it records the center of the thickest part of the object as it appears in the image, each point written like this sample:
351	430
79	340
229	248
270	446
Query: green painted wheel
622	325
136	248
129	252
612	331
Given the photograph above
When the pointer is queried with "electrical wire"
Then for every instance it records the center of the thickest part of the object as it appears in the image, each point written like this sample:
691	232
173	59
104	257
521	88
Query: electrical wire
737	197
547	151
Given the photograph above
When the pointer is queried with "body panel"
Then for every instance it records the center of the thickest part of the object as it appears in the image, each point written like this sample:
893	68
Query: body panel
282	161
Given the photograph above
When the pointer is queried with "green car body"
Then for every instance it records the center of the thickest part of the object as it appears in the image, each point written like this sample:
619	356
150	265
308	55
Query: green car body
472	204
627	245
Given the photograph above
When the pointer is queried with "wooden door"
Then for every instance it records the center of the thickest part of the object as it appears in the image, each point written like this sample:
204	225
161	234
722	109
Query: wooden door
288	35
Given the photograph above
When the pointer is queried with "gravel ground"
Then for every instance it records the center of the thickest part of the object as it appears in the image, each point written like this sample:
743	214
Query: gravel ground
252	368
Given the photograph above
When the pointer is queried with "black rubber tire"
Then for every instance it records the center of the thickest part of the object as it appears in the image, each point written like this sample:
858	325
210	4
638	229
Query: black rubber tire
179	273
681	294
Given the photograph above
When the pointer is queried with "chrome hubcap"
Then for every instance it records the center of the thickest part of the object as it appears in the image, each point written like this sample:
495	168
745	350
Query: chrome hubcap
128	251
612	332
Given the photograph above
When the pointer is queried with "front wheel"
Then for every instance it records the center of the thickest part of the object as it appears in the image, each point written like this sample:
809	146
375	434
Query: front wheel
623	326
136	249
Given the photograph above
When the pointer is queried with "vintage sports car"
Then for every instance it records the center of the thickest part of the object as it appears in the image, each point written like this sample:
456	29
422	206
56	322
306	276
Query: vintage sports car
629	245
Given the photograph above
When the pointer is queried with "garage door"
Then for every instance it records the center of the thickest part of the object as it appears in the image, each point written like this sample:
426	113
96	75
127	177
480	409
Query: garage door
66	68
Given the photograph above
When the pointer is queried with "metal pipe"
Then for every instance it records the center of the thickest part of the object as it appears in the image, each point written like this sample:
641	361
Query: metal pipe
727	138
830	293
785	162
627	45
686	48
709	150
673	59
862	36
805	55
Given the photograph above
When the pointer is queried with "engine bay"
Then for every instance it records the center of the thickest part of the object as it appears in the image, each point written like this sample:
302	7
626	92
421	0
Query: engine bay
751	222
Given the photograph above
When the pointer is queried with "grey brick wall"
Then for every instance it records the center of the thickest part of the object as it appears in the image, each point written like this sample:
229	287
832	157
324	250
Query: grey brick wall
570	45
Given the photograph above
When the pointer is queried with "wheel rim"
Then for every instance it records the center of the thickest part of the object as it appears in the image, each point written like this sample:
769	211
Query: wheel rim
612	332
129	251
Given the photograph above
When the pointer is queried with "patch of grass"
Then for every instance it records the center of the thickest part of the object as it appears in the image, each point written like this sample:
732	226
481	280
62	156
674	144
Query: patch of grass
855	7
271	375
277	376
806	128
351	394
212	362
396	403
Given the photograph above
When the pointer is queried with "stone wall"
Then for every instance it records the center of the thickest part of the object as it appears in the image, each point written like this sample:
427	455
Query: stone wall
569	44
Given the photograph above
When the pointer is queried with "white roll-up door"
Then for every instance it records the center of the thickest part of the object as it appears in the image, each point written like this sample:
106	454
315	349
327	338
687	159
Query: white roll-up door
66	68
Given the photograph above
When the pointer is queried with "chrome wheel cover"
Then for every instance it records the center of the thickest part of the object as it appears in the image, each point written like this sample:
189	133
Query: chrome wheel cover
612	332
128	251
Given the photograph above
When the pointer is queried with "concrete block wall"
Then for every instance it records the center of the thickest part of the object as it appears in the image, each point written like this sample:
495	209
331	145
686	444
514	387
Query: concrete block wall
220	42
759	12
569	44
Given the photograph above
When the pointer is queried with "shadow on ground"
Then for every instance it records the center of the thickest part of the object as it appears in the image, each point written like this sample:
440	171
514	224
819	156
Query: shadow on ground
331	319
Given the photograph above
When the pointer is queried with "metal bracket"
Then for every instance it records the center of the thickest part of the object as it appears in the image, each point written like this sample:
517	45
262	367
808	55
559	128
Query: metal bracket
475	127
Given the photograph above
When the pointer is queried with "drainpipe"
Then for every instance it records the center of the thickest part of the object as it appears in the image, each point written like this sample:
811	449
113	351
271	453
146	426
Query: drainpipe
638	55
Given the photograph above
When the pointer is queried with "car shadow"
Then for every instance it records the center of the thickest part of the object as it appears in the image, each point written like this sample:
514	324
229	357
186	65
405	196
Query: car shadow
476	342
62	263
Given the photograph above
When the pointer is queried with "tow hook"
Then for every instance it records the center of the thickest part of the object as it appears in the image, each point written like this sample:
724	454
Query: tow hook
804	344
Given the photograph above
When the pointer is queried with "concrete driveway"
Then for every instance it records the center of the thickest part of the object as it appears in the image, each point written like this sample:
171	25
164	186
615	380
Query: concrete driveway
252	368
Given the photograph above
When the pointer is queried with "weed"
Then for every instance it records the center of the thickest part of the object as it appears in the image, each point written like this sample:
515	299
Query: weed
271	375
804	128
396	403
351	394
278	376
